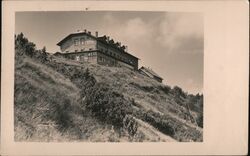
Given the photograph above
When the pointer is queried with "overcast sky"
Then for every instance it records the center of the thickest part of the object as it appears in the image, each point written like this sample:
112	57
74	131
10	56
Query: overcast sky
170	43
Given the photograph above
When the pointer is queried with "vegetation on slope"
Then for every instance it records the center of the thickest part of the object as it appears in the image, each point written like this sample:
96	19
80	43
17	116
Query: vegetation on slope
59	99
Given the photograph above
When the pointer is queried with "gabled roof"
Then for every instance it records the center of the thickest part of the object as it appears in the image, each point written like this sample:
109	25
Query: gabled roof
102	39
149	71
74	34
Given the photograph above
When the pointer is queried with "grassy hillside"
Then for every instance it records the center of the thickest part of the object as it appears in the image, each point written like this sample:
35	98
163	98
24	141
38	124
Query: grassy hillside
64	100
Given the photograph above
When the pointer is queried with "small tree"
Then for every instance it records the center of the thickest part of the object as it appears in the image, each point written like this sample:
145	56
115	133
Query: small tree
177	91
44	49
23	46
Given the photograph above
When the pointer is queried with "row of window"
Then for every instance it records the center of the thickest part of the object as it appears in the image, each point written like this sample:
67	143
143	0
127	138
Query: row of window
83	49
104	60
86	56
117	56
83	41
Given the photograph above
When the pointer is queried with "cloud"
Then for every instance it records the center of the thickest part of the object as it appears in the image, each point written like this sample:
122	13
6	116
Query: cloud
136	28
152	40
134	32
181	32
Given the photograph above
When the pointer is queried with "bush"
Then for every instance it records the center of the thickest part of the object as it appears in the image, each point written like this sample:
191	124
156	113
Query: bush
172	127
158	121
177	91
24	46
108	105
130	125
142	87
200	120
165	89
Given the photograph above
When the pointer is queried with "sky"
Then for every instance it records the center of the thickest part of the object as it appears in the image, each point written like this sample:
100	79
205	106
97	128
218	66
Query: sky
170	43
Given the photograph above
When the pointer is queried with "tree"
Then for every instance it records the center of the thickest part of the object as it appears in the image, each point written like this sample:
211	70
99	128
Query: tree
23	46
177	91
44	49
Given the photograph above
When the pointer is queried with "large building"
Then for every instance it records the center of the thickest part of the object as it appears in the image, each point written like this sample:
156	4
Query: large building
83	46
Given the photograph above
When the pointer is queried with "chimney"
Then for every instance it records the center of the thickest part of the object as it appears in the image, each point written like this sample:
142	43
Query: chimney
78	30
107	38
96	34
126	48
85	30
89	32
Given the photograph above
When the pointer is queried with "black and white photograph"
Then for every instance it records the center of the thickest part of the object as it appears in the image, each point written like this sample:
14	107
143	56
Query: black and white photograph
108	76
124	77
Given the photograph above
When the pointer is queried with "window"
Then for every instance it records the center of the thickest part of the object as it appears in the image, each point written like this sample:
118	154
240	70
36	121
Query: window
85	58
76	42
77	58
82	40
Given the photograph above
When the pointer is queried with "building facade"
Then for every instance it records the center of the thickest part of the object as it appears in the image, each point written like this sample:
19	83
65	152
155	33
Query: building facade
150	73
83	46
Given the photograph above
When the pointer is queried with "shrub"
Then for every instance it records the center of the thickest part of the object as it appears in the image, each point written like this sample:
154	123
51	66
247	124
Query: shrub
172	127
109	106
24	46
200	120
165	89
130	125
177	91
142	87
158	121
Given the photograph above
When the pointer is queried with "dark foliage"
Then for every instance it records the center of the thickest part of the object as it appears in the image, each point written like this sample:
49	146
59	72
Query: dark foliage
108	105
200	120
156	120
165	89
195	103
144	88
23	47
172	127
178	92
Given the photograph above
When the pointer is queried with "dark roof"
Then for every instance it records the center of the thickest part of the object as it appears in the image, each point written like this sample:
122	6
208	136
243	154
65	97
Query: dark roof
147	70
111	43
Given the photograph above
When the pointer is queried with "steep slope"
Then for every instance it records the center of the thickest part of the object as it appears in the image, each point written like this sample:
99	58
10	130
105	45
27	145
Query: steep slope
148	95
47	109
48	106
58	99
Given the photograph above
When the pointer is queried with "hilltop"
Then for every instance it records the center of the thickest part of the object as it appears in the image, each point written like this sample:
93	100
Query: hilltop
58	99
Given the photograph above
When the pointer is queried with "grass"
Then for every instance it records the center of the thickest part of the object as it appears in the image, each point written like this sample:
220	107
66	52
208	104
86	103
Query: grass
50	103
